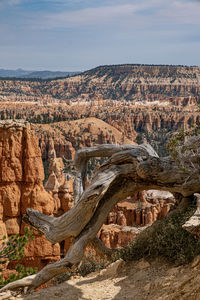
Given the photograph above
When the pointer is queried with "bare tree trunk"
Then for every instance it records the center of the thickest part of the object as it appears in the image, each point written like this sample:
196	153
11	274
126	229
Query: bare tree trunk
129	169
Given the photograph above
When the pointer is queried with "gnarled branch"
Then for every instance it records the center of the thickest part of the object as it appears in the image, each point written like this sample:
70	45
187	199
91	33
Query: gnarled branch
129	169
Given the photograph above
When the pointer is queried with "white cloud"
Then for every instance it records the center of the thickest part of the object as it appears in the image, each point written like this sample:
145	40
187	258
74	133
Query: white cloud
101	15
181	12
130	14
100	32
89	16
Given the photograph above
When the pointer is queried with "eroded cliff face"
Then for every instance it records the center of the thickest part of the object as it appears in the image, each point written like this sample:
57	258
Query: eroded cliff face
128	82
21	182
133	215
141	82
69	136
151	102
155	125
154	121
21	186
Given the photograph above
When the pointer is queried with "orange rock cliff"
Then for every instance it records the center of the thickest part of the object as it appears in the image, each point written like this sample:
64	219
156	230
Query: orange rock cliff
21	186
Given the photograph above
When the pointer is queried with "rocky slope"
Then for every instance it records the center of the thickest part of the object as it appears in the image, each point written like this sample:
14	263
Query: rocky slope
155	123
134	82
69	136
142	280
150	101
119	82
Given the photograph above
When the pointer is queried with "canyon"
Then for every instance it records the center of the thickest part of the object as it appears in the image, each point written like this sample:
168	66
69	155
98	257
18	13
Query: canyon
125	104
69	136
21	187
154	123
121	82
144	102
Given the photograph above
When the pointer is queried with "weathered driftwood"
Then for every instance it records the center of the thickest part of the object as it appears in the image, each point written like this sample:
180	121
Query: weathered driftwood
129	169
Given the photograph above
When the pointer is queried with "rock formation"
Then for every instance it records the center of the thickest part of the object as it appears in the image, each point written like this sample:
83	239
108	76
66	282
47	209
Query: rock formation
128	170
129	82
150	101
134	214
56	165
21	187
52	183
65	196
66	137
136	121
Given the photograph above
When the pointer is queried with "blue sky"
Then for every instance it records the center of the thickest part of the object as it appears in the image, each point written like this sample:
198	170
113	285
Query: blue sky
73	35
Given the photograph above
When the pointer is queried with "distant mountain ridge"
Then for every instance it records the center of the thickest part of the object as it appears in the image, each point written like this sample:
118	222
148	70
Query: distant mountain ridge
114	82
144	70
20	73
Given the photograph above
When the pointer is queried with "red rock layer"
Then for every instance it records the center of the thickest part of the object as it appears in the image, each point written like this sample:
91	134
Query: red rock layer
21	186
131	216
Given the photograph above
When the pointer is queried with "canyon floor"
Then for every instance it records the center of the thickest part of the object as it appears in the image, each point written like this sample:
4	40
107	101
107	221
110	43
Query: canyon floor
141	280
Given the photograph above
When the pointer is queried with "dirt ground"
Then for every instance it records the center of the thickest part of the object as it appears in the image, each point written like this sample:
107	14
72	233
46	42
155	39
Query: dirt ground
140	280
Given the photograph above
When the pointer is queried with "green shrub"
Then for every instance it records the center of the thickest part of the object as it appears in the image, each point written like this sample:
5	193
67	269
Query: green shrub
13	249
166	238
91	263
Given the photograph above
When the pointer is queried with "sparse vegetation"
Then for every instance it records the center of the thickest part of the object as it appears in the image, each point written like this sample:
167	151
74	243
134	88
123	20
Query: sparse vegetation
166	238
178	147
13	249
90	263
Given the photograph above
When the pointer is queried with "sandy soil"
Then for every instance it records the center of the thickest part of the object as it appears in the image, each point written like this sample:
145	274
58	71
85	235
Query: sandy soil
132	281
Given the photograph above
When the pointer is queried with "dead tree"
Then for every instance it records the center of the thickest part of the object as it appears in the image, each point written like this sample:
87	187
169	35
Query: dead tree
129	169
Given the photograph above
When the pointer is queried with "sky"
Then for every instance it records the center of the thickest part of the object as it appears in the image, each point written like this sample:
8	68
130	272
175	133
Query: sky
77	35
